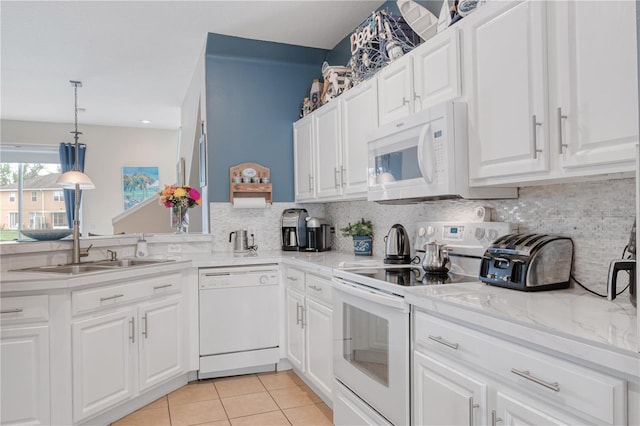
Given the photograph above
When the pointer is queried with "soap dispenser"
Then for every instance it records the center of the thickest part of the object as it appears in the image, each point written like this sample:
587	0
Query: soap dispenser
141	248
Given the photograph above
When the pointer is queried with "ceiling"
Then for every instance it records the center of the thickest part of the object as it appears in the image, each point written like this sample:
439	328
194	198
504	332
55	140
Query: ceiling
136	58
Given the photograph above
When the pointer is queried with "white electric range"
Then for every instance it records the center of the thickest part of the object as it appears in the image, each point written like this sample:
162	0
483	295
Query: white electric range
371	321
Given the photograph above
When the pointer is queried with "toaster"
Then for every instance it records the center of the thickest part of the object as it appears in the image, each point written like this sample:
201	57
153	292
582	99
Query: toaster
528	262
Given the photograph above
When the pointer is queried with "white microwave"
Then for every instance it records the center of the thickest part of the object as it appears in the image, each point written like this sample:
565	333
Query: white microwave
425	157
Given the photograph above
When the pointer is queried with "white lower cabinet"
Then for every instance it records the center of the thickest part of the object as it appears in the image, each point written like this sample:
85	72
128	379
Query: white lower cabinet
24	352
24	359
118	351
309	329
463	376
444	395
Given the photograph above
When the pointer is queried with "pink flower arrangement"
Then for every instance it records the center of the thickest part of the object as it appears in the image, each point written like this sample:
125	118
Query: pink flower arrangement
179	196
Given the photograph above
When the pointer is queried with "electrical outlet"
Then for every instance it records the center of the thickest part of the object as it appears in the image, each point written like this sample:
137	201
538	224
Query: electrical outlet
174	248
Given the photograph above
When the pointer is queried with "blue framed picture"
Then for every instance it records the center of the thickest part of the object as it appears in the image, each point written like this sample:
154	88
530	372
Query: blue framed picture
138	184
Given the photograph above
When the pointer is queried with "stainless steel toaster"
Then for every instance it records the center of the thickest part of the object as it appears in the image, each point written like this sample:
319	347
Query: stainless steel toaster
528	262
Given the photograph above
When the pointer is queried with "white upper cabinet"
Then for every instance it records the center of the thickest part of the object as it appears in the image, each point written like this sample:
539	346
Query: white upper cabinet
553	90
436	70
359	118
427	76
395	91
594	96
507	103
303	159
328	143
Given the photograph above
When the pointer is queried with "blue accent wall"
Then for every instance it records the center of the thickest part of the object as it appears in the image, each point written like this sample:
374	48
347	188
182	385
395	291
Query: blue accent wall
254	92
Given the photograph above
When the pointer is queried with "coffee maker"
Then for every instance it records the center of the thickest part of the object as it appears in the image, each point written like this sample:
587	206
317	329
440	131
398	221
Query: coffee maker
319	234
294	236
628	265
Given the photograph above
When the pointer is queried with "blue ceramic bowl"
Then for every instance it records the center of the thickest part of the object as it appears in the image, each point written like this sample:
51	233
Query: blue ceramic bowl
46	234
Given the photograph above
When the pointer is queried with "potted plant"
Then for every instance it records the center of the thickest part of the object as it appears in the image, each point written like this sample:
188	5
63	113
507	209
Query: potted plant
362	234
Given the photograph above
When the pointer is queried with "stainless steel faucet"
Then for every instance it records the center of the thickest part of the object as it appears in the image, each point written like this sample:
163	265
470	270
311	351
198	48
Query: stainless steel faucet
113	255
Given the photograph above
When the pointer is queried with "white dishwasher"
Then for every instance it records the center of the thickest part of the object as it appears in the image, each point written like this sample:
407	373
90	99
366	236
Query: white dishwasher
238	312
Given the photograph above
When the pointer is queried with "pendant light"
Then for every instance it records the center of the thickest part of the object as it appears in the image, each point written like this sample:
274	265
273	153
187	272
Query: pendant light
75	179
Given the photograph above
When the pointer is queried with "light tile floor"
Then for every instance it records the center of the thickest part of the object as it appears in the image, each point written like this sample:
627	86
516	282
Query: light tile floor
279	398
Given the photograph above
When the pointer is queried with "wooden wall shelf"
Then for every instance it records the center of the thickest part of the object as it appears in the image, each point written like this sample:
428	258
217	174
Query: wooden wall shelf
253	189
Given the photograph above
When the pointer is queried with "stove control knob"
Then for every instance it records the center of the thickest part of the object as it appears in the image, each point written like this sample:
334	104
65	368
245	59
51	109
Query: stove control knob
479	233
264	279
430	231
422	231
492	235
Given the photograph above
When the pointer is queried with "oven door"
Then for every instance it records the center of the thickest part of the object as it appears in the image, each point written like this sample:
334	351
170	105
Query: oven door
371	348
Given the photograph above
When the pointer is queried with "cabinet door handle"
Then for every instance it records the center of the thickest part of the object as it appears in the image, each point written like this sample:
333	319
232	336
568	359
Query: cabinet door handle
316	288
560	116
132	331
12	311
310	183
440	340
298	319
553	386
115	296
405	100
145	331
336	177
534	137
343	171
471	407
158	287
302	310
494	418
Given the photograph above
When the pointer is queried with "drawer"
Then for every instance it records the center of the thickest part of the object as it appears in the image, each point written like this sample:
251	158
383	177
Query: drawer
560	382
112	295
294	278
24	309
319	288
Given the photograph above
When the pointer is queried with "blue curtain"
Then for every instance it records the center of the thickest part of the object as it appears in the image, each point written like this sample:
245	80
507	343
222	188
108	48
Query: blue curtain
67	160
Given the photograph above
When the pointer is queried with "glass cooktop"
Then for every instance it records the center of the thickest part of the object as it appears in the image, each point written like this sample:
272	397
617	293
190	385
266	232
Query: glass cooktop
411	276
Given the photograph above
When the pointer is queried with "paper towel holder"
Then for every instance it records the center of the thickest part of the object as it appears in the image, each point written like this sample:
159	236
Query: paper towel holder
244	191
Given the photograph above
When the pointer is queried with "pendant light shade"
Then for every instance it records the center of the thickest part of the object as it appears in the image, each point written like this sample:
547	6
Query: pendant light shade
68	180
75	178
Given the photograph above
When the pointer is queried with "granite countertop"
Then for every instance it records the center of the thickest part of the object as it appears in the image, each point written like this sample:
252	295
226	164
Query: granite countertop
572	313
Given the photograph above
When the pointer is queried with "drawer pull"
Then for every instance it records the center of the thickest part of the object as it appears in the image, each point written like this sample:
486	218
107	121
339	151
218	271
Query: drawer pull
158	287
115	296
316	288
292	278
12	311
525	374
440	340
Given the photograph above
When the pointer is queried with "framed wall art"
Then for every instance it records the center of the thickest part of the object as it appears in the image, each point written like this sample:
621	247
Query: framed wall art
138	184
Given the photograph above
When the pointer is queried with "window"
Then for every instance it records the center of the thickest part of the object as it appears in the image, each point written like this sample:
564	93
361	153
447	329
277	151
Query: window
59	220
58	196
13	220
37	221
24	171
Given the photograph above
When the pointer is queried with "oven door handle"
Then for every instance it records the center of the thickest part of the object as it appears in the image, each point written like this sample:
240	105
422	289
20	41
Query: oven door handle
371	295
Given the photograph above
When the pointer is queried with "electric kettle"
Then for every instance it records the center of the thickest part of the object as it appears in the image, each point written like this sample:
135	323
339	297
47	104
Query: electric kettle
240	243
397	246
436	258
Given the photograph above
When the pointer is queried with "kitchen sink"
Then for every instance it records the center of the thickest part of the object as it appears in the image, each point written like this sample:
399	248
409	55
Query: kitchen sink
126	263
98	266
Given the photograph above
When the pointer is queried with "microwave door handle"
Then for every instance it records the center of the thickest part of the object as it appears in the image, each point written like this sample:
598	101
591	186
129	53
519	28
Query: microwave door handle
425	169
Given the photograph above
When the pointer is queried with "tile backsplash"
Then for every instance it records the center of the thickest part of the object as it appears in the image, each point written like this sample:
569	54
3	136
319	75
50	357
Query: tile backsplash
597	215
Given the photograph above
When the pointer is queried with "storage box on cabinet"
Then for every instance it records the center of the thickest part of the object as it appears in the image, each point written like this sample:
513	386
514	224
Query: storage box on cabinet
553	382
24	355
